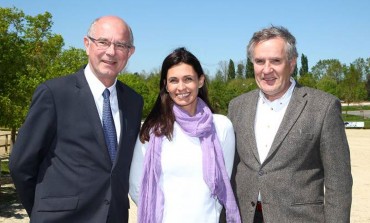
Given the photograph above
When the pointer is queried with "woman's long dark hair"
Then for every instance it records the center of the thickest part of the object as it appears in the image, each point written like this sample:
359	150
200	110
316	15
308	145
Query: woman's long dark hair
161	118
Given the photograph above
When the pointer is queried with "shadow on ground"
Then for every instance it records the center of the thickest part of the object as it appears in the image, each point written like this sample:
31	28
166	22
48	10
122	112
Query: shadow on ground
10	207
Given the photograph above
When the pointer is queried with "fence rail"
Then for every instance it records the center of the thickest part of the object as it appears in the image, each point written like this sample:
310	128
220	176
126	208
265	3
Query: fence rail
5	141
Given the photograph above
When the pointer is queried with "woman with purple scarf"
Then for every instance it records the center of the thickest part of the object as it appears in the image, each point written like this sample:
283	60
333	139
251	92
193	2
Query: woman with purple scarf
184	154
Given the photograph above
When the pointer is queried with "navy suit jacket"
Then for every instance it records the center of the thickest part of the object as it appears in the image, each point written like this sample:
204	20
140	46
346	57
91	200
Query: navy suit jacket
60	163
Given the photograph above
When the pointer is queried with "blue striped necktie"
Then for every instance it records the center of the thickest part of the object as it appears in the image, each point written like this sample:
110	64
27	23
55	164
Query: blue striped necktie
108	127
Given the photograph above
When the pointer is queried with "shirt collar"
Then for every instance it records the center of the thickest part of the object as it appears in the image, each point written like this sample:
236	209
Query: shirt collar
96	86
282	101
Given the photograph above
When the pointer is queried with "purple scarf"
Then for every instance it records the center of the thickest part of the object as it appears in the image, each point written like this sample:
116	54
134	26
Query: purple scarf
150	208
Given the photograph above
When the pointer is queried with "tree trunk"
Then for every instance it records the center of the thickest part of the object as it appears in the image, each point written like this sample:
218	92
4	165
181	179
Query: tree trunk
12	138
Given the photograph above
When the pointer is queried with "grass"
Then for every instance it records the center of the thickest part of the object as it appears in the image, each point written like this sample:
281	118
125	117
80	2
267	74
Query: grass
4	167
356	118
355	108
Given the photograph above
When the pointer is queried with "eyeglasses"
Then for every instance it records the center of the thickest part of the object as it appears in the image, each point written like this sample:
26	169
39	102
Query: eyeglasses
105	44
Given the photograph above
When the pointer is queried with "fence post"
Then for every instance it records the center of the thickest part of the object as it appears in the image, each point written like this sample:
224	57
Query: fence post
6	143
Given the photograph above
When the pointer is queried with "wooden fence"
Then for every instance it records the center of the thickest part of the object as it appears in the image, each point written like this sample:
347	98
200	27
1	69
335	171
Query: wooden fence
5	141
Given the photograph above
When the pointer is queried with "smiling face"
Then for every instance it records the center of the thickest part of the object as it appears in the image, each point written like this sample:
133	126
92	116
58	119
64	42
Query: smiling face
183	85
272	68
107	64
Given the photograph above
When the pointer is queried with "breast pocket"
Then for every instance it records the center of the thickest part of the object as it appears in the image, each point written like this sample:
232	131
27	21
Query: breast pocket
58	204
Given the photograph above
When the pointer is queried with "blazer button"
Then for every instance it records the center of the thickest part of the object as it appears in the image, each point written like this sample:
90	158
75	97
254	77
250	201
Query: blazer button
106	202
261	172
253	204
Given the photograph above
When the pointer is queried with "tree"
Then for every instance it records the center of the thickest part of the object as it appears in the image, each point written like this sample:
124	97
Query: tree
240	70
231	70
216	90
152	82
368	78
363	66
138	83
332	68
223	69
328	84
67	62
249	70
352	87
11	65
304	66
307	80
295	72
28	50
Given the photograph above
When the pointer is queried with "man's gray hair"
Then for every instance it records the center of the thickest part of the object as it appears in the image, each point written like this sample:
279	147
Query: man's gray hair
270	33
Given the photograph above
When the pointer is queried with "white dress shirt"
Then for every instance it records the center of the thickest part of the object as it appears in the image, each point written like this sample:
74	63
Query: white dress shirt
269	115
97	89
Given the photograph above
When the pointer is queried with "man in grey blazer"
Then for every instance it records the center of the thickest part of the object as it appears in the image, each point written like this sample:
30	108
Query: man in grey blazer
60	162
293	157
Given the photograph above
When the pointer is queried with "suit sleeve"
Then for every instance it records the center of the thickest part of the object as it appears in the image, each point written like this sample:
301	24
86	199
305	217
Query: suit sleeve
32	143
136	170
337	168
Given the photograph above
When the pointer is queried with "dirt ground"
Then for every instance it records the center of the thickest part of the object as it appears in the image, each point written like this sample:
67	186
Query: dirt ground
359	141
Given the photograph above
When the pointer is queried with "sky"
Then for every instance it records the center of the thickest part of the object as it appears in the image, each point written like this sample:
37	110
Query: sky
215	30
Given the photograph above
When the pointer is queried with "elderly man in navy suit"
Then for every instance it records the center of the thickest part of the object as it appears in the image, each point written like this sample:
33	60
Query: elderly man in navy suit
72	157
294	160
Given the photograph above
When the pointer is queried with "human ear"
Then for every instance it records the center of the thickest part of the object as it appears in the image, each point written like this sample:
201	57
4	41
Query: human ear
201	81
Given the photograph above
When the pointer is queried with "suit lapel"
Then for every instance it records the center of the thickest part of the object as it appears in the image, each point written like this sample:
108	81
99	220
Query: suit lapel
88	103
245	117
294	110
251	117
122	106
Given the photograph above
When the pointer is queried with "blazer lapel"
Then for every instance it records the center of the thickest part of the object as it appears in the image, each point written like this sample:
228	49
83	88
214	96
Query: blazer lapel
246	118
88	103
251	117
123	117
294	110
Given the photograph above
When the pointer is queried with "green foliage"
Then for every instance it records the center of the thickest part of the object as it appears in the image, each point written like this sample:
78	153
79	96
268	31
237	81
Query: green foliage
28	48
362	66
352	87
332	68
137	83
31	54
295	72
4	167
249	70
304	66
148	88
356	118
221	93
328	84
216	89
356	108
368	87
240	70
231	70
67	62
307	80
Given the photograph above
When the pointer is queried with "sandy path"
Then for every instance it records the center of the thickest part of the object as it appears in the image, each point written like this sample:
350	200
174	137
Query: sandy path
359	141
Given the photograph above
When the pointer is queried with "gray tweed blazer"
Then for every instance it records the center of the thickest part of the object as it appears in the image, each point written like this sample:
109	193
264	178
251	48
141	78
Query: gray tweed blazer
306	176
